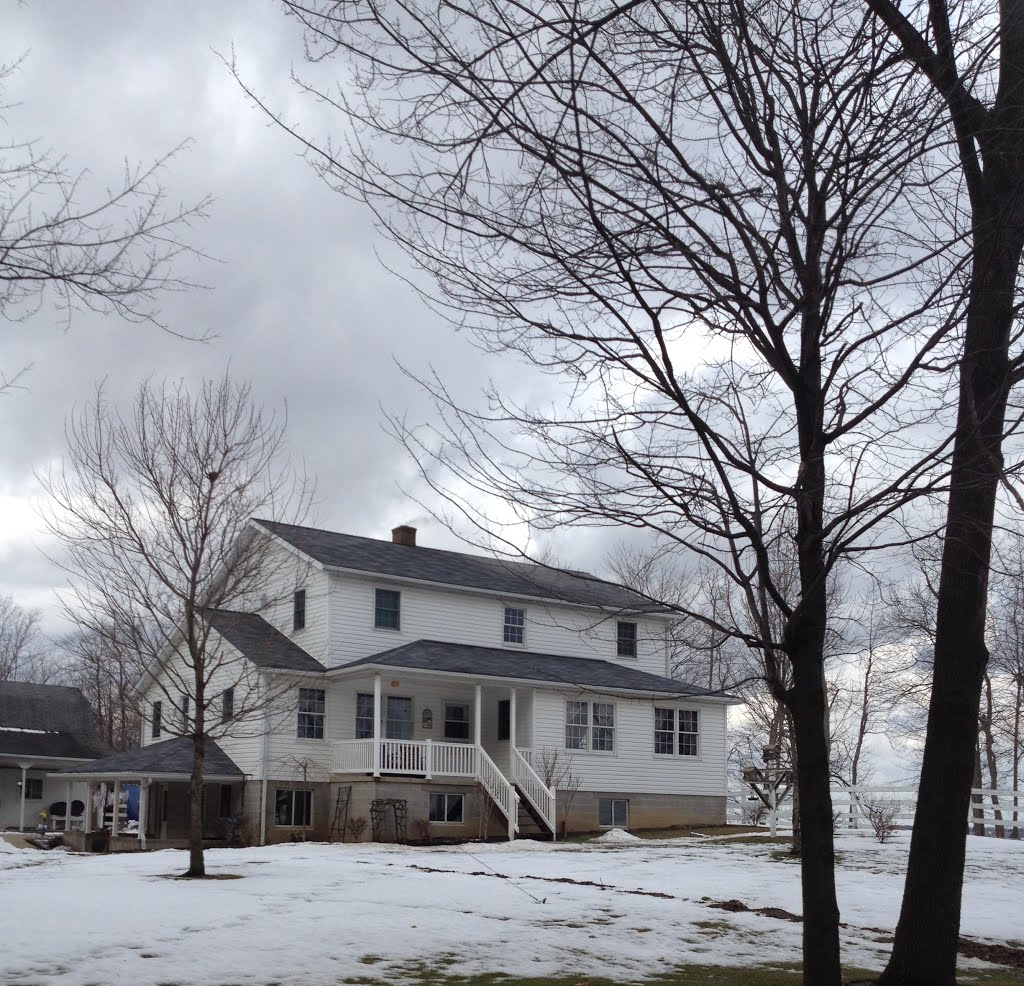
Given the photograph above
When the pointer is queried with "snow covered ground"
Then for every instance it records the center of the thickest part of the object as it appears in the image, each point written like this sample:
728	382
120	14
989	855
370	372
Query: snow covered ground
314	914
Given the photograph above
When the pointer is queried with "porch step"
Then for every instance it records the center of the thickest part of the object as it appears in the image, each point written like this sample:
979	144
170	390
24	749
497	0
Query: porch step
530	822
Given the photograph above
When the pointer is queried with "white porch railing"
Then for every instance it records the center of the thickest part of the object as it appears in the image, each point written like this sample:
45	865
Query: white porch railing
534	789
429	759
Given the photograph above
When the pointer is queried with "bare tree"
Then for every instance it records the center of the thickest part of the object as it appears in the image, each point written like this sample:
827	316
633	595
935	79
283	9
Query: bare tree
19	640
152	508
702	217
106	664
108	251
972	55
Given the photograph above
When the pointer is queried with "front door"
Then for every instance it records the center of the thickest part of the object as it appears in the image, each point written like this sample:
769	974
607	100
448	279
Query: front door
398	718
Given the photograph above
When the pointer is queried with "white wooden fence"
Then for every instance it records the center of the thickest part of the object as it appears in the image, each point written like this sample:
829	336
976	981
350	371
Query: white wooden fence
992	812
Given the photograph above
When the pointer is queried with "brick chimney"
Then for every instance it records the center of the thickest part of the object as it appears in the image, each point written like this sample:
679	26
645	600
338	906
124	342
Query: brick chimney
404	535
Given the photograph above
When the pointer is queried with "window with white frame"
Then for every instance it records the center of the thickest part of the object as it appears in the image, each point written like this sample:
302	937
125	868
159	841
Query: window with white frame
155	721
364	715
456	720
677	731
613	813
184	714
515	626
387	609
626	639
445	807
293	808
33	789
590	726
299	610
312	712
227	705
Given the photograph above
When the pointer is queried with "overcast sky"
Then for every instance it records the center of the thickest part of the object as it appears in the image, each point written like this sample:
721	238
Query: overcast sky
299	300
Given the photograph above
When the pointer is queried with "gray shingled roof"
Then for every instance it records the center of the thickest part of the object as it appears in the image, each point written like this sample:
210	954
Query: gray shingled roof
455	568
171	757
494	662
46	721
260	642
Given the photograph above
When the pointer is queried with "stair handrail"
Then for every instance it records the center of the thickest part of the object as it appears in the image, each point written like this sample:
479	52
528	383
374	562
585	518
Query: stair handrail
500	789
536	791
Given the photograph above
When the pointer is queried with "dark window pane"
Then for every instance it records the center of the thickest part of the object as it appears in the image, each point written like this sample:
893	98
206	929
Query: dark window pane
227	705
456	721
299	610
364	716
312	703
627	639
504	719
157	707
387	609
604	812
515	625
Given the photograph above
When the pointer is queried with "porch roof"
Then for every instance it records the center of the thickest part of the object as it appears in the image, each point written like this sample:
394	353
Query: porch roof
169	760
494	662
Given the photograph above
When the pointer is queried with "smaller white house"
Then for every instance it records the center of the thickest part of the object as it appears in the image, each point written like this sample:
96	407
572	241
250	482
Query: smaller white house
424	693
43	728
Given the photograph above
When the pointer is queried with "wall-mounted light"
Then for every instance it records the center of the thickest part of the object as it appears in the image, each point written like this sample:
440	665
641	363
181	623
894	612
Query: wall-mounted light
395	682
427	719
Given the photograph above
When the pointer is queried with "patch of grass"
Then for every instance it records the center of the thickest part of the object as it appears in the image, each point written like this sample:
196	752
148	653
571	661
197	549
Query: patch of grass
371	959
779	974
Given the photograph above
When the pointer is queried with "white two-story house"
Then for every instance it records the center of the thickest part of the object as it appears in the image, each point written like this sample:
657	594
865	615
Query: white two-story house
431	694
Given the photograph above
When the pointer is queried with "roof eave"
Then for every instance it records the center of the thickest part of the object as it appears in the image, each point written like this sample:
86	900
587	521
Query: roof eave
498	593
352	670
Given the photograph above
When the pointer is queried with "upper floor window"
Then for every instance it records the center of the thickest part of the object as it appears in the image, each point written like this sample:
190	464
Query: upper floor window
515	626
626	639
227	705
299	609
155	721
387	608
312	712
677	731
456	720
184	713
590	726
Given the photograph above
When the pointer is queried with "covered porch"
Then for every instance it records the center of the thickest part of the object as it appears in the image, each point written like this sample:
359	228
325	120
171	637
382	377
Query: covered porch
163	772
440	727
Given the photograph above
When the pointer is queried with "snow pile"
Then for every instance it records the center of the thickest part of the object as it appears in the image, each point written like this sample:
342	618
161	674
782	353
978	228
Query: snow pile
617	835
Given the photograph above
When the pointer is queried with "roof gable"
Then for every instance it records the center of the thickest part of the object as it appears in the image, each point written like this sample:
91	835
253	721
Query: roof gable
376	557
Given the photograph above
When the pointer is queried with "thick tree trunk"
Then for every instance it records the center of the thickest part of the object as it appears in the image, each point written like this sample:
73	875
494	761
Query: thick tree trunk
817	849
925	946
196	860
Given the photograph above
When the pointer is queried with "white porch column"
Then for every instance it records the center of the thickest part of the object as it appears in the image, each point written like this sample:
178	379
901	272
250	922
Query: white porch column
24	784
116	809
143	811
477	691
103	805
68	795
376	725
88	816
511	720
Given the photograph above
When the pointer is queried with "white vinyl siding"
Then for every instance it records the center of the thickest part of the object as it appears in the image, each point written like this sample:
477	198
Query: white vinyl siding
633	766
429	613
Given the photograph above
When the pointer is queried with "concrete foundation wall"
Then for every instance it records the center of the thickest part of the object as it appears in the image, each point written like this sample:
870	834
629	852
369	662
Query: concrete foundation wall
644	811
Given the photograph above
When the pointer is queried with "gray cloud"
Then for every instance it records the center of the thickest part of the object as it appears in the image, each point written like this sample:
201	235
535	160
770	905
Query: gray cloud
298	301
